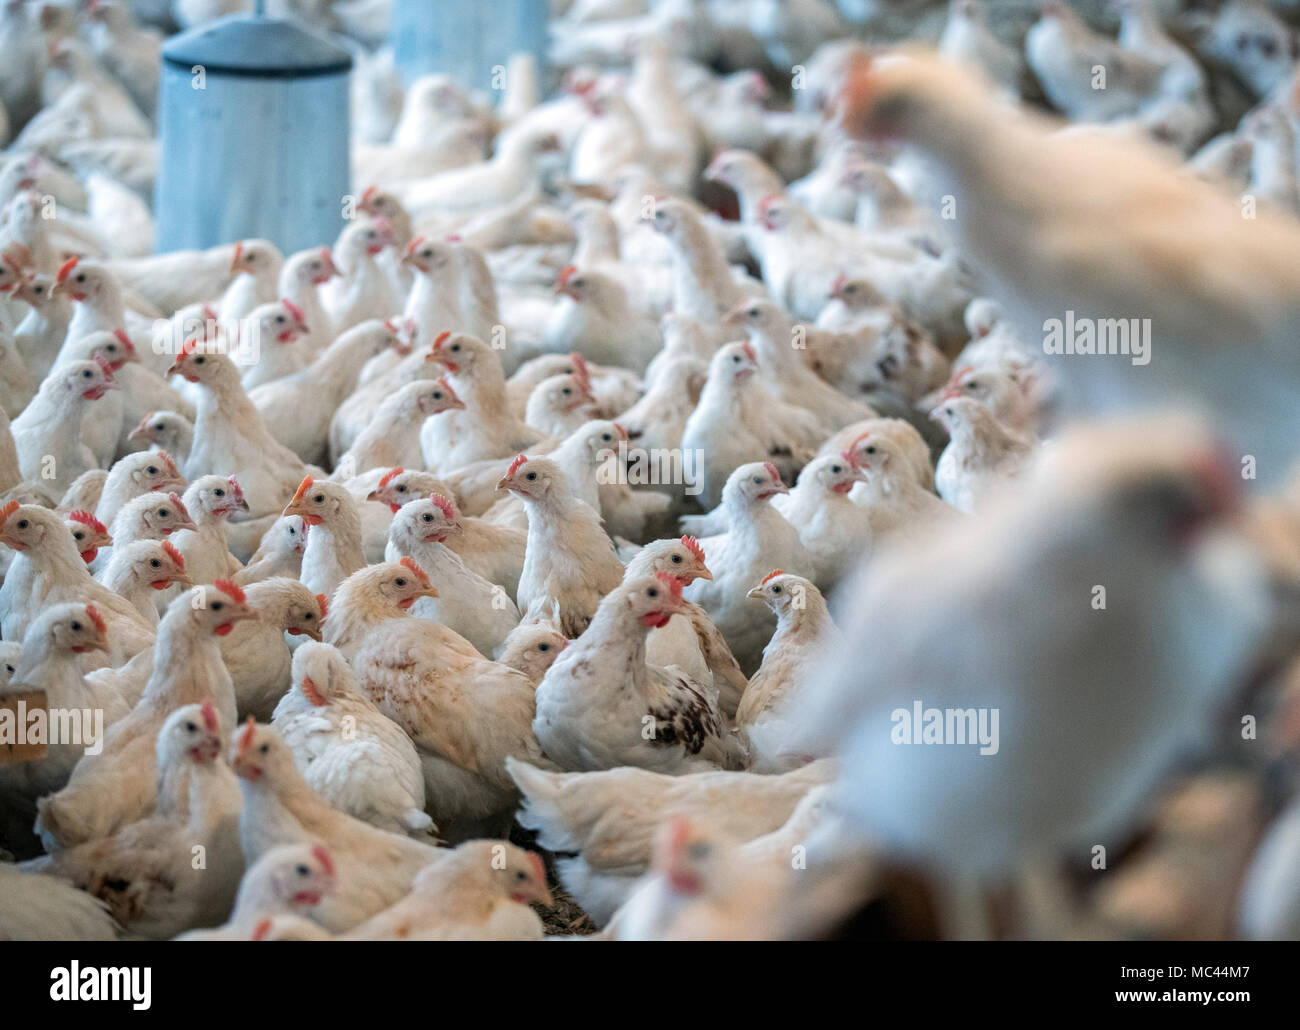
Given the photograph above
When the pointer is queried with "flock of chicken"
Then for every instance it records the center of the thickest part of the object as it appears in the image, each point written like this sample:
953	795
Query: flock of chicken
360	571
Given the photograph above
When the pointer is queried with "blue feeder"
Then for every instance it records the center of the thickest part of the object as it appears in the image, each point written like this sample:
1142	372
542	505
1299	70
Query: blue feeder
253	124
470	40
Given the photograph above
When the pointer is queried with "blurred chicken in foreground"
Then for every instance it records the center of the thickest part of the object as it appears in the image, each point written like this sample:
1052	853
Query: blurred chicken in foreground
1099	232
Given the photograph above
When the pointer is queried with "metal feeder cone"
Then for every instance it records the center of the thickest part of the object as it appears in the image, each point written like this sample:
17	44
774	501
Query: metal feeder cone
253	130
472	42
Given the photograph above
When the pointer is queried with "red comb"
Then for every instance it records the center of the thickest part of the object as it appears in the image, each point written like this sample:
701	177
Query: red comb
235	488
514	465
92	613
294	310
849	457
410	564
171	465
106	368
443	505
230	590
839	283
67	268
323	857
673	584
246	734
175	498
8	510
324	603
414	245
765	205
303	487
170	550
750	353
621	431
539	867
854	445
772	471
580	368
694	547
210	716
312	692
389	476
441	338
368	194
567	273
260	931
124	340
87	519
451	391
772	575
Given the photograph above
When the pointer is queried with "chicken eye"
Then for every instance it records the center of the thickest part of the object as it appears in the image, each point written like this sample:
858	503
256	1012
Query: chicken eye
302	870
776	590
677	559
437	395
265	749
191	728
871	449
160	427
531	476
217	606
222	493
78	535
76	627
401	489
154	563
521	875
543	648
81	278
652	592
735	358
758	480
606	437
279	319
836	469
9	668
318	499
153	469
85	374
427	517
163	513
456	349
24	524
1267	47
200	360
566	391
400	582
698	851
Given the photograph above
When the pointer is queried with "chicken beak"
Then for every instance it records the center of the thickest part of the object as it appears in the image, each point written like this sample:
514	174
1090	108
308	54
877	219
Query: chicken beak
428	590
756	593
313	632
504	483
703	572
183	581
294	508
735	316
542	895
375	496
